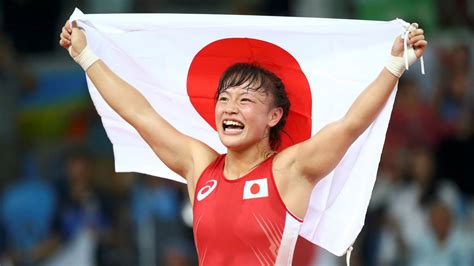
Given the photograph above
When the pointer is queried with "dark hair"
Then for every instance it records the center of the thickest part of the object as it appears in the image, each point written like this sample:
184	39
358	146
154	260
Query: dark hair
263	80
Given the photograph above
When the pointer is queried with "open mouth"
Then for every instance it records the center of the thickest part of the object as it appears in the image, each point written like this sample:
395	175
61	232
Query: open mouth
232	126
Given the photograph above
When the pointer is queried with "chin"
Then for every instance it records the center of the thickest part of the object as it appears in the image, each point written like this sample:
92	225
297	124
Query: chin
238	144
232	143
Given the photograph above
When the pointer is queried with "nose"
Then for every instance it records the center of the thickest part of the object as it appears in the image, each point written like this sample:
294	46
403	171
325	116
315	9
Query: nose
231	107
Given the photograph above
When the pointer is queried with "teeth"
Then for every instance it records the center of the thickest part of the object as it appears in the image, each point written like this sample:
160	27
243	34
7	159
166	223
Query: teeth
232	123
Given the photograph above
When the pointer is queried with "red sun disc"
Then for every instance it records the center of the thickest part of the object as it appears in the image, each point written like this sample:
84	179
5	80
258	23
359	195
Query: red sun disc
212	60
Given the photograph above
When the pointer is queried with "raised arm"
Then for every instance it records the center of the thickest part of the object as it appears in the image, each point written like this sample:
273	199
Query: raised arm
182	154
318	156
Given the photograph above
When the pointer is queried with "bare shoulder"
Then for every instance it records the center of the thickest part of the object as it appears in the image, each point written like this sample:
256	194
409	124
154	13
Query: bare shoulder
285	160
294	157
202	156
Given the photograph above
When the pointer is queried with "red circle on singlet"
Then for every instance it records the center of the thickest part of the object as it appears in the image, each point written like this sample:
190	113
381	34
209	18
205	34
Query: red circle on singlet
211	61
255	188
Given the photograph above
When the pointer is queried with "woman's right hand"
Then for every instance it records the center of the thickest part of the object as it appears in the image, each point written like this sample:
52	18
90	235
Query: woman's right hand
72	38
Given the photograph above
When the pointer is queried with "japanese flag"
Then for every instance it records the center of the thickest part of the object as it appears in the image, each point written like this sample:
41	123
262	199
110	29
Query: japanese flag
175	60
254	189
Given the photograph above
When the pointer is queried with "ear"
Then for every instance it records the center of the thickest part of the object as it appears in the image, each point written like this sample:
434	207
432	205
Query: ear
274	116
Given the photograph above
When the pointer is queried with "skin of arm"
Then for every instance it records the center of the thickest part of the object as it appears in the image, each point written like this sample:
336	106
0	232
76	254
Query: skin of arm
184	155
320	154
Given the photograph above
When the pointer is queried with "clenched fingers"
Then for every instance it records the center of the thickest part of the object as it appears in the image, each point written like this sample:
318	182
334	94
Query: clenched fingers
65	36
67	26
65	33
64	44
415	39
420	44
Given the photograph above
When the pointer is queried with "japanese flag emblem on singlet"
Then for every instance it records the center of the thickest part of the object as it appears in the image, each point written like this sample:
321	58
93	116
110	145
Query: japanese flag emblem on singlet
257	188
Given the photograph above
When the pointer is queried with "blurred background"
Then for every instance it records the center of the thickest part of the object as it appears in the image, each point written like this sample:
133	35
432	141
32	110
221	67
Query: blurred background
61	203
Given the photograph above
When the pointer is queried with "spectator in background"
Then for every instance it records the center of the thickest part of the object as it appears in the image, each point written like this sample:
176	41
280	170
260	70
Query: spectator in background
156	205
116	246
407	210
26	217
79	220
456	90
381	239
413	122
442	241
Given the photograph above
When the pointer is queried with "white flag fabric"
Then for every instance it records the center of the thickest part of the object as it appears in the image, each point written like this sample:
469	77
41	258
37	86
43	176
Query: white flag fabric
159	55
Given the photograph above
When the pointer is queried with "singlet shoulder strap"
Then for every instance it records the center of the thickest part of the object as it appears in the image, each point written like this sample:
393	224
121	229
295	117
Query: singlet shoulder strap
216	165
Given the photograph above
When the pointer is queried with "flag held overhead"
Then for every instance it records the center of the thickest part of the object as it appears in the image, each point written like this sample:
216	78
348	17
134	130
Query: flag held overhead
175	61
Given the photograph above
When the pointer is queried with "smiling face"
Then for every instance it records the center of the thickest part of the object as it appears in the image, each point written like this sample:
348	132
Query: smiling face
244	116
251	107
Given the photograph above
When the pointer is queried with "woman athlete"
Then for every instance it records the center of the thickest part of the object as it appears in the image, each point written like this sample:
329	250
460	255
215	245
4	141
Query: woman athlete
247	204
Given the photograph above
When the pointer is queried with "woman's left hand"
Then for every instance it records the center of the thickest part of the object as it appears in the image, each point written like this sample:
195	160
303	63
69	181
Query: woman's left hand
416	39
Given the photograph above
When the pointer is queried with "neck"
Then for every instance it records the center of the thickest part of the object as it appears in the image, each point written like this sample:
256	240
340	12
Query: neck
239	163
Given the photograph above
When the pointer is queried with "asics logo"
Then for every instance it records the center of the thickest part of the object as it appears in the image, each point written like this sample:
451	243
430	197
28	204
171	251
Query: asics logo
206	189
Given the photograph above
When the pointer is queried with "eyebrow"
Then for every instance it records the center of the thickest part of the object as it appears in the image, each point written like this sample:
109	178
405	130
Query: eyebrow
245	92
239	94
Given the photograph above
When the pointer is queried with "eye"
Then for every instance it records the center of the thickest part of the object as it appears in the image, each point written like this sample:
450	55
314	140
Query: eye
245	100
223	99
